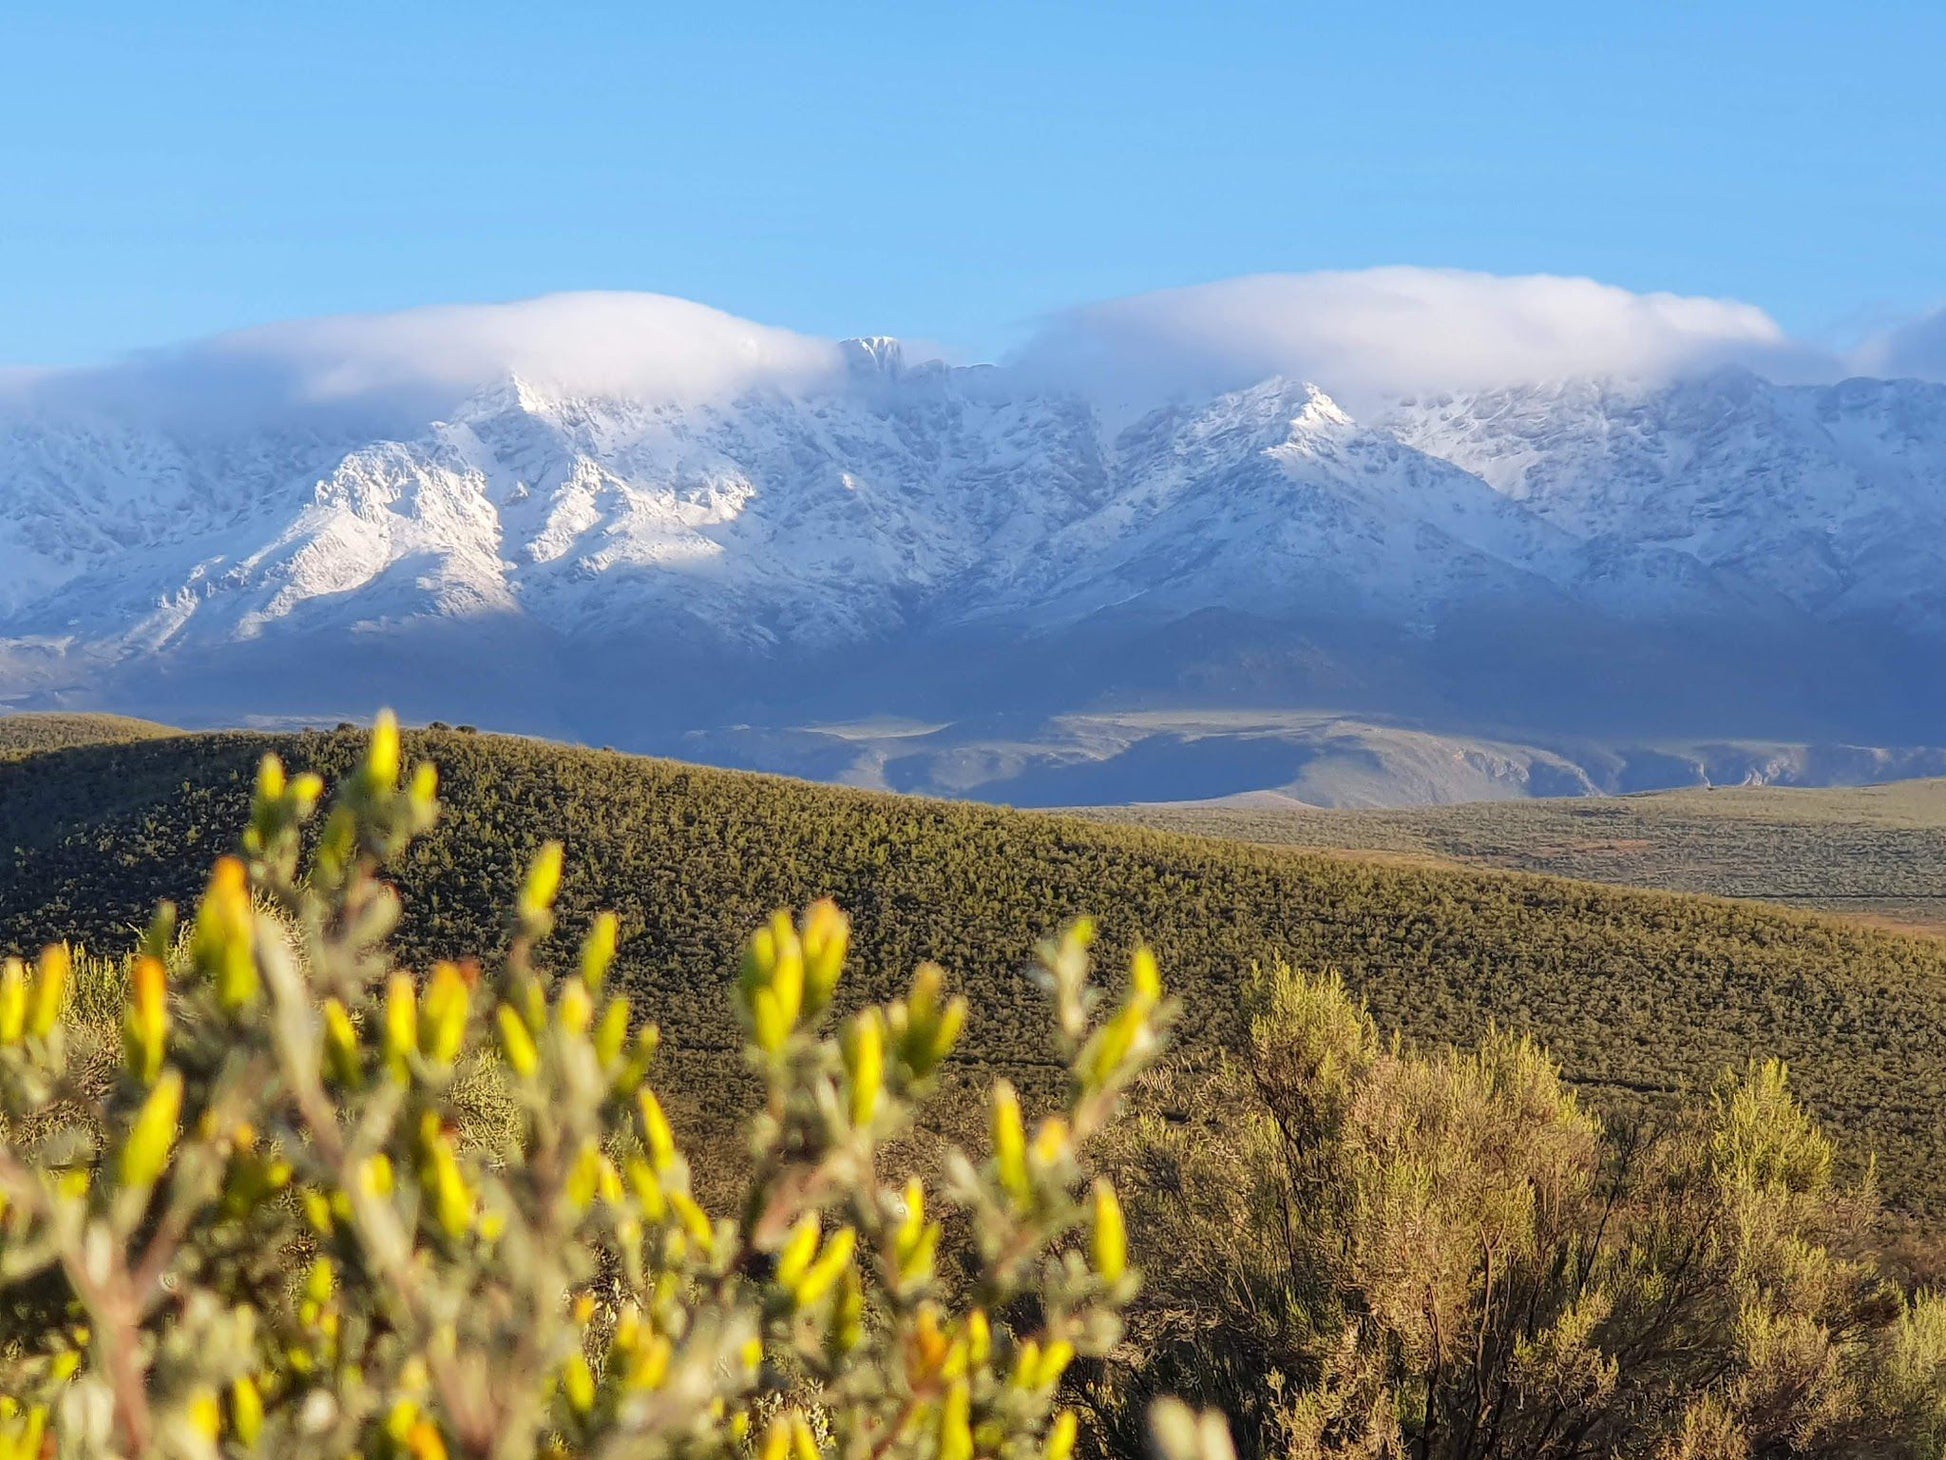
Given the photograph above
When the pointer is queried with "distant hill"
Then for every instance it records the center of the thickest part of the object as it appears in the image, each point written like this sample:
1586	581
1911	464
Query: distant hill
1313	759
1875	852
27	734
1638	993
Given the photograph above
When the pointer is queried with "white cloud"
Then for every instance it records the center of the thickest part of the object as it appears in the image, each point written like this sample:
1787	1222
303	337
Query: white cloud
648	345
1363	336
1915	348
1392	331
425	361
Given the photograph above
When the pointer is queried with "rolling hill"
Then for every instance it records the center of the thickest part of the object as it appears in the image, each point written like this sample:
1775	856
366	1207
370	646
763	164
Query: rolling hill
1639	993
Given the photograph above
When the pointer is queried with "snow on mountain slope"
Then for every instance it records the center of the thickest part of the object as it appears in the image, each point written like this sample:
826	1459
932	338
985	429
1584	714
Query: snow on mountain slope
811	519
1273	501
1832	496
910	497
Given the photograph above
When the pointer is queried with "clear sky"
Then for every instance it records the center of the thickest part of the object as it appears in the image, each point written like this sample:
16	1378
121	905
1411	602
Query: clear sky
946	172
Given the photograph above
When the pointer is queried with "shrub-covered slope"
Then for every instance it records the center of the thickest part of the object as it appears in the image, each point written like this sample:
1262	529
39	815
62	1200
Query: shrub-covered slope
29	734
1634	991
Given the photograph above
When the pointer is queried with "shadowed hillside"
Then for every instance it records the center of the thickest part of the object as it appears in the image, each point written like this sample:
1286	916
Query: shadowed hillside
1638	992
27	734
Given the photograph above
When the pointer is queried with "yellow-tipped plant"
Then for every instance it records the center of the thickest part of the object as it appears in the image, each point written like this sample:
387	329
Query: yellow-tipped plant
152	1136
300	1098
145	1027
14	994
50	990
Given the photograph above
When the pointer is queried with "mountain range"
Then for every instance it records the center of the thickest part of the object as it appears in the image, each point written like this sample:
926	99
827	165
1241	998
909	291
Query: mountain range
975	581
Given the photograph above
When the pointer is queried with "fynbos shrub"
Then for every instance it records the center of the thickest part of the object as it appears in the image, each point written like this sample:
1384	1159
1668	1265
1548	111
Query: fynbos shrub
285	1226
1376	1252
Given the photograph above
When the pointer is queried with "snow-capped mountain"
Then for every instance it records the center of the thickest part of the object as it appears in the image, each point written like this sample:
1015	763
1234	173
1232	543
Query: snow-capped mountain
1833	497
1717	555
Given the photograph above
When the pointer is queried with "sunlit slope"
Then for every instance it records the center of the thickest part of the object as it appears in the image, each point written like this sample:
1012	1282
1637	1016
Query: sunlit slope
1877	852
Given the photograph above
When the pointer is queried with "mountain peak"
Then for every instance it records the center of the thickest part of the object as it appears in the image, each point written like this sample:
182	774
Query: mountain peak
874	355
1281	400
512	394
1318	409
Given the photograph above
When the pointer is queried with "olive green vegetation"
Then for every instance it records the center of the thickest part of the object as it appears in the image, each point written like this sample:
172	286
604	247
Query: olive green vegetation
1357	1249
1871	852
1639	994
28	734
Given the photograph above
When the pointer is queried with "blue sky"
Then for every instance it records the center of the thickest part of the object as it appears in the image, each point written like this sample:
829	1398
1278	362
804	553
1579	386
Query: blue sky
946	173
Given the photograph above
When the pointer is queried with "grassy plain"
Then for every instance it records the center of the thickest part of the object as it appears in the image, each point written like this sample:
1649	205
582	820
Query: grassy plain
1876	853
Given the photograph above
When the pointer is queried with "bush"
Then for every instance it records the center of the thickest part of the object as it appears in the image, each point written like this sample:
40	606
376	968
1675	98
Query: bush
324	1208
1359	1250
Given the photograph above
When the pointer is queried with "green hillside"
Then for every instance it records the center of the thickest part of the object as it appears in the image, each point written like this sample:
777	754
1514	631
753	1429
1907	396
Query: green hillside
1638	992
1875	852
28	734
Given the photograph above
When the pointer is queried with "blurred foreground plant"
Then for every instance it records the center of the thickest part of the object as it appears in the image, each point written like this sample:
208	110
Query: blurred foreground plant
269	1236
